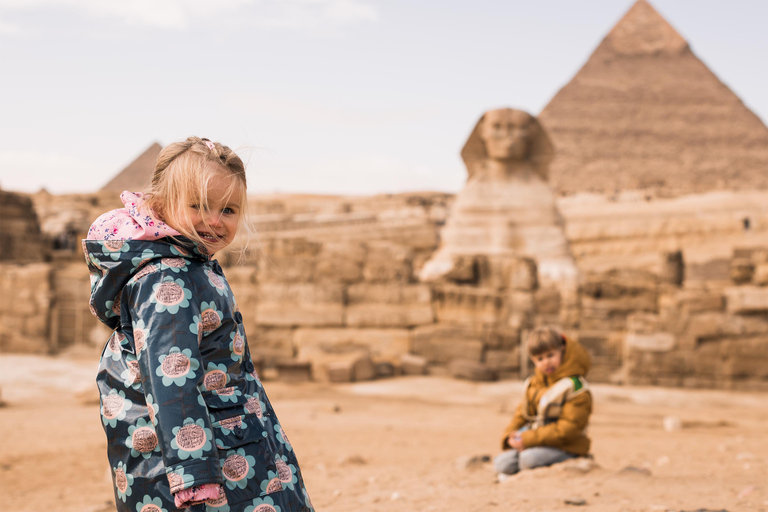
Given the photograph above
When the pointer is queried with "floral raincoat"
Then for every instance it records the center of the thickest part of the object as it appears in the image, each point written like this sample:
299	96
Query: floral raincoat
181	403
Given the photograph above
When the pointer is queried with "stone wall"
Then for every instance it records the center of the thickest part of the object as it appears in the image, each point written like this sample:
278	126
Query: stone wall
20	237
25	306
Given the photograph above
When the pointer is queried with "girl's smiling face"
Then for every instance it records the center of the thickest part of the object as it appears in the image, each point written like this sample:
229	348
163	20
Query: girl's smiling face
216	223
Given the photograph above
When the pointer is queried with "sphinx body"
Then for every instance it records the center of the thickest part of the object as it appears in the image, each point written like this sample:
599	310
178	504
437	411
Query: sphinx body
506	208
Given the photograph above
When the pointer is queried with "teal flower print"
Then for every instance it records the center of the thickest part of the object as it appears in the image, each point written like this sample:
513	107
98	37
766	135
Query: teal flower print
191	439
150	504
253	376
216	376
177	366
113	248
140	335
285	473
152	408
307	501
132	374
216	281
114	344
178	479
236	345
265	504
218	504
170	295
175	265
179	250
229	394
123	481
114	407
237	468
146	256
255	406
208	320
280	435
142	439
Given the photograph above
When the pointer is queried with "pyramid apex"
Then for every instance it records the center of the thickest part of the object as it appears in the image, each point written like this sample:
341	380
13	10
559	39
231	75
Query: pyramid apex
643	31
137	175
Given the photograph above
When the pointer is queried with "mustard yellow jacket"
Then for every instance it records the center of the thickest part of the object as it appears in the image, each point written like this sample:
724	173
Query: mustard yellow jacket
556	408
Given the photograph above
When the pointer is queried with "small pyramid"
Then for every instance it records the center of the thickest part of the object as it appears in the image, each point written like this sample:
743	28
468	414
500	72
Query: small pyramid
137	175
645	113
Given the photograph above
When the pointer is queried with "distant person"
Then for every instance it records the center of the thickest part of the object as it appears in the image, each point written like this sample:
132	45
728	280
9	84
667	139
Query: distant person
187	420
549	424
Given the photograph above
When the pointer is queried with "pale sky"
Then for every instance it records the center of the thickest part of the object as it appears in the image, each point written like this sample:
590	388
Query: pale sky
321	96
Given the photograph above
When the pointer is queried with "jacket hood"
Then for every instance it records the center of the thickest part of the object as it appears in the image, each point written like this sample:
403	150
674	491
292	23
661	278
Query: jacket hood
112	263
576	361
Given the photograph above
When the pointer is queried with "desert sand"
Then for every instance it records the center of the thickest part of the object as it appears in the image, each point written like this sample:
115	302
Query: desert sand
413	444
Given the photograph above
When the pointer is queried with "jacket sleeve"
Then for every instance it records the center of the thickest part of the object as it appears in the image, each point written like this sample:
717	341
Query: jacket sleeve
518	420
164	317
569	426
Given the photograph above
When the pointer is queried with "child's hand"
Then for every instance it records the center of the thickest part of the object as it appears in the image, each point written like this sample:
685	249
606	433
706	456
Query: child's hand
516	442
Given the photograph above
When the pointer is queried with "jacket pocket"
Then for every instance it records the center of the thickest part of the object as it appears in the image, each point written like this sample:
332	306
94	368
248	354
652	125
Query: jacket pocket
237	431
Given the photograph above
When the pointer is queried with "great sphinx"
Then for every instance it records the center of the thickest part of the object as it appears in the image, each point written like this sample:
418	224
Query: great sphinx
506	208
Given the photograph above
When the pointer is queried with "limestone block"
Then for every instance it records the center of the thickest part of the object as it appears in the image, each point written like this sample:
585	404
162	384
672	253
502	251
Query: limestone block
388	262
291	260
523	275
351	370
746	299
413	365
341	261
442	343
547	301
503	360
760	277
383	344
283	305
340	372
521	301
643	322
652	342
467	305
384	369
271	343
471	370
293	371
741	270
389	305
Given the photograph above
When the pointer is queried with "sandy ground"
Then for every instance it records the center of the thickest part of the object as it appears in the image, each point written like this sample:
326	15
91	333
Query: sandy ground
405	444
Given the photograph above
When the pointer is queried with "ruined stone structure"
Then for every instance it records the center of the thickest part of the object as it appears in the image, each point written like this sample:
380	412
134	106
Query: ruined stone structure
634	217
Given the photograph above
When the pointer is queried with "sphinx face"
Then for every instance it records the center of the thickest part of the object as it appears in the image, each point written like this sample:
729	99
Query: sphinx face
506	134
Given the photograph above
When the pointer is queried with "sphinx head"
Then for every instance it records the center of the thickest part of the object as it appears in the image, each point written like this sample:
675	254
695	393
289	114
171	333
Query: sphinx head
506	134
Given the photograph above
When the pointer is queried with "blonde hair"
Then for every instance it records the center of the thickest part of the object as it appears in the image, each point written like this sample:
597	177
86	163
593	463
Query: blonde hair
183	172
544	339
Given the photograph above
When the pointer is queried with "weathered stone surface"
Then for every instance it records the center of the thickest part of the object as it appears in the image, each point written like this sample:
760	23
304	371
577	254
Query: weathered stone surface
25	305
340	262
351	370
284	305
466	305
294	371
413	365
387	263
760	277
503	361
471	370
655	342
746	299
387	344
441	343
523	275
390	305
271	343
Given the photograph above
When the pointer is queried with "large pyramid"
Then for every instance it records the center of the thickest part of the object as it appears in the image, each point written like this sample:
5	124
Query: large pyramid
136	176
645	113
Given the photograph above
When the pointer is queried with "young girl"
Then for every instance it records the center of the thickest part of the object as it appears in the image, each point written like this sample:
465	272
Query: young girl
188	423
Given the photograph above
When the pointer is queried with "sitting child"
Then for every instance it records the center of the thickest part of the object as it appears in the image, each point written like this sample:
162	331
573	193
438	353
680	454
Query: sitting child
549	424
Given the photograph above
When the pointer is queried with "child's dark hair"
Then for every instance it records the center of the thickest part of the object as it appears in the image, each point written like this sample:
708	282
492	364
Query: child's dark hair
544	339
